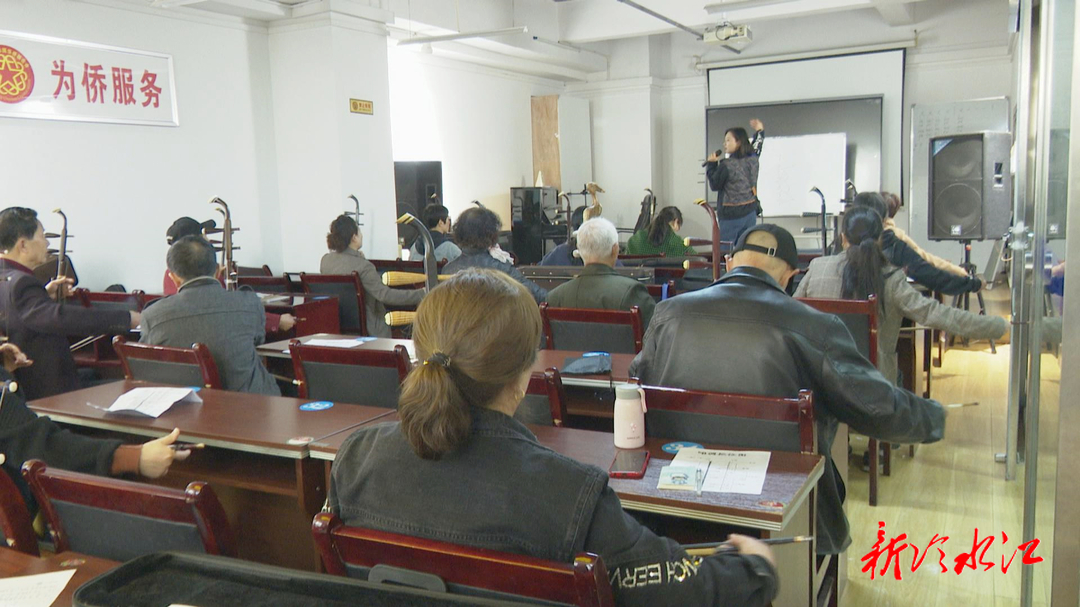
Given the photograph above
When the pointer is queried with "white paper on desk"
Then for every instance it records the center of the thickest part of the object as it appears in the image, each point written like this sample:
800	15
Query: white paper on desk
338	343
152	402
39	590
728	471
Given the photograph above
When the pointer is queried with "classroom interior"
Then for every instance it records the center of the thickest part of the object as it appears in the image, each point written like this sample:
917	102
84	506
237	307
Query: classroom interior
296	111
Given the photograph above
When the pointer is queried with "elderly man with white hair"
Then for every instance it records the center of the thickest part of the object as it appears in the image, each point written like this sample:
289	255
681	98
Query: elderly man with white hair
599	286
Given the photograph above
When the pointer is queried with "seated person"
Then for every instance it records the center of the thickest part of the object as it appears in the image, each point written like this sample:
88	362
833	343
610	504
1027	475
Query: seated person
437	220
344	241
32	318
186	226
25	436
229	323
776	346
901	255
893	204
661	237
477	233
566	253
598	285
481	473
861	270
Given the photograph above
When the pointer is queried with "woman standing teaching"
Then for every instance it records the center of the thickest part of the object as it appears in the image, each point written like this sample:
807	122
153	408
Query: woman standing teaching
734	179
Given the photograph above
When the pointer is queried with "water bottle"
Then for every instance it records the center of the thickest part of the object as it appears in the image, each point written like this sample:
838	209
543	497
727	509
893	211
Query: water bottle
629	416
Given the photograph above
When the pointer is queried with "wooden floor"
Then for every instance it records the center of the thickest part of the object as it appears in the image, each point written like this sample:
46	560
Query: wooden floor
950	488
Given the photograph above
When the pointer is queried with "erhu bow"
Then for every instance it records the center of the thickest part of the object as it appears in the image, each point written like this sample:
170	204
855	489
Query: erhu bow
226	243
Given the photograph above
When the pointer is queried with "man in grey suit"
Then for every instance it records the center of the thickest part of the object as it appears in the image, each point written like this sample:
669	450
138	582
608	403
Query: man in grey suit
230	323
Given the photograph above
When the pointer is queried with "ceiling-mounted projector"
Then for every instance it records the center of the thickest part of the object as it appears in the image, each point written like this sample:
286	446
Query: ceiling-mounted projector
734	37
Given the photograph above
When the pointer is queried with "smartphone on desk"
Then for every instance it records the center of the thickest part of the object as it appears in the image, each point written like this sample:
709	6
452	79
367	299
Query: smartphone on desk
629	464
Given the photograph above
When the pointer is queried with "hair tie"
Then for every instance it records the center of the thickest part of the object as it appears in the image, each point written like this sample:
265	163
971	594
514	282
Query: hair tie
439	358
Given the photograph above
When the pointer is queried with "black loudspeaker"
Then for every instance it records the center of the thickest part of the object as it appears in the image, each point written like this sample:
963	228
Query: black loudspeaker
530	210
970	186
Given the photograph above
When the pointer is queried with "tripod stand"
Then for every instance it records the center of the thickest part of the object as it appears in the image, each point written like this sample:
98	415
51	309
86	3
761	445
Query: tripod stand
964	299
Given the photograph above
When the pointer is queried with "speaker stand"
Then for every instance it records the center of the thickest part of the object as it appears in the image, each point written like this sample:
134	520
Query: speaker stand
964	299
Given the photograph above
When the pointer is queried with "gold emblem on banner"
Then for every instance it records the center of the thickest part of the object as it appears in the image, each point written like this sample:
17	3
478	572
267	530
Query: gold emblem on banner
16	75
361	106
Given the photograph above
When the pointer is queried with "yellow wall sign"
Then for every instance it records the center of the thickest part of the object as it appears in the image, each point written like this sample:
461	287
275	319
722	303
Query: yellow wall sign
360	106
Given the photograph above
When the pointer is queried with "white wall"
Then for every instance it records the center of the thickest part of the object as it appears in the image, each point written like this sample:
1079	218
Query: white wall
477	121
122	186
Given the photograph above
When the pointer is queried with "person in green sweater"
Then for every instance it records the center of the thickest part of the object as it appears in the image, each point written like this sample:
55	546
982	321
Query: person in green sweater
662	236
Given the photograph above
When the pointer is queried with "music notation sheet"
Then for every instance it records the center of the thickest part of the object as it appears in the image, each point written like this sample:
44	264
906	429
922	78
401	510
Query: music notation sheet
39	590
728	471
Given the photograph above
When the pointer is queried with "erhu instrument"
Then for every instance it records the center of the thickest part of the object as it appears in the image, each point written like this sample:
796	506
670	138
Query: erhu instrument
225	245
431	268
715	241
595	209
61	256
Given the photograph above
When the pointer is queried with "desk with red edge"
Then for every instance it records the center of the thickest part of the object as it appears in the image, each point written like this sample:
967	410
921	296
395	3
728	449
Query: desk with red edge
14	564
256	456
785	506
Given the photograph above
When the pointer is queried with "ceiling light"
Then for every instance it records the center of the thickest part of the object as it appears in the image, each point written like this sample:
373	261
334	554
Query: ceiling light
463	35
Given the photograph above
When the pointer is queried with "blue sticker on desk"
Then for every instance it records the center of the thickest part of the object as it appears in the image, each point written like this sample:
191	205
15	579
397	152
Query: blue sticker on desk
319	405
194	388
591	354
674	447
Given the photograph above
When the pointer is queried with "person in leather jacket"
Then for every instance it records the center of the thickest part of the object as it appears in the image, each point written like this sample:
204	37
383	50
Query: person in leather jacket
459	468
745	334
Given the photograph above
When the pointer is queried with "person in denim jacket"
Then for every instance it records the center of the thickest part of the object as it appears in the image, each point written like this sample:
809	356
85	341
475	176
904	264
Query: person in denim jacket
459	468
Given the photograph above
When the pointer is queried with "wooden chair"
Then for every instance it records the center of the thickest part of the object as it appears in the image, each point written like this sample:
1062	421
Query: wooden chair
252	271
99	353
264	284
16	528
735	420
545	400
614	331
350	296
359	553
860	317
122	520
343	375
663	291
192	366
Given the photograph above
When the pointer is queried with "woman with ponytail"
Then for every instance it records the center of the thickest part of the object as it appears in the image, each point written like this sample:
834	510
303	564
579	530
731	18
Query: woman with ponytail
863	270
459	468
662	236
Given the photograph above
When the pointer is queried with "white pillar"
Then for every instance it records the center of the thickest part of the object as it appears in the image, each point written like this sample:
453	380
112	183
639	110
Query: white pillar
318	62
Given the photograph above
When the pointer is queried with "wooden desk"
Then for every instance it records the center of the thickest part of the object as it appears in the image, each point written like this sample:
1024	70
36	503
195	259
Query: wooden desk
14	563
257	450
280	349
784	507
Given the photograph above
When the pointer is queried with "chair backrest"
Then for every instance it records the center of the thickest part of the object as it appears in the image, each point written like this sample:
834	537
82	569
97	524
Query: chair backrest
614	331
859	315
398	265
252	271
662	291
16	529
735	420
111	300
354	551
350	296
350	375
121	520
545	400
192	366
264	284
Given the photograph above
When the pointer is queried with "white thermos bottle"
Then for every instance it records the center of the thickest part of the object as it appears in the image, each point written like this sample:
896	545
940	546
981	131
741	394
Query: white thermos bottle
629	416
